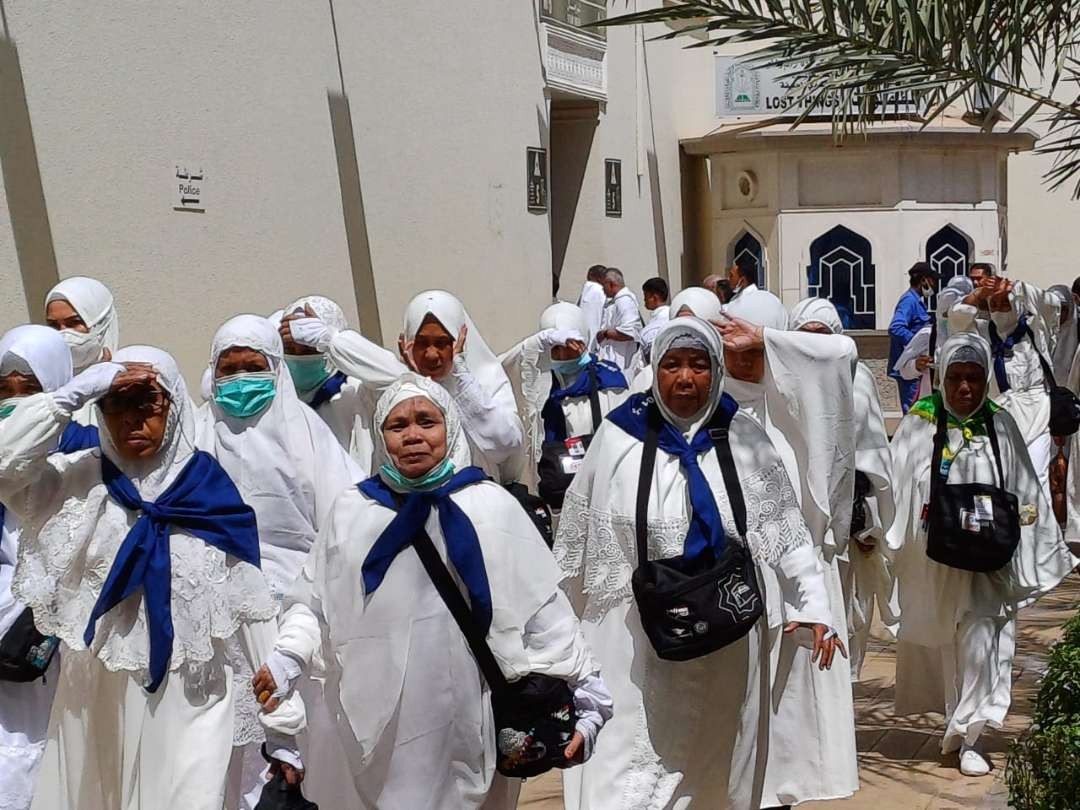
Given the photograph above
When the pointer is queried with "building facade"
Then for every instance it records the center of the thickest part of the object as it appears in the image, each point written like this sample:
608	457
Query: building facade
203	159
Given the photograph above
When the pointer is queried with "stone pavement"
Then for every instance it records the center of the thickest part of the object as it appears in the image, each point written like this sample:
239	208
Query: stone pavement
900	763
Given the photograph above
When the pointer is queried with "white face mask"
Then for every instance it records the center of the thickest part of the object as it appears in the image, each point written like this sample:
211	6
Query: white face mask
85	348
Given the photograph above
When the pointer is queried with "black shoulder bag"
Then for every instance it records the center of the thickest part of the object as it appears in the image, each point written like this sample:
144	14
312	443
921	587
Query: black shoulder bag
561	458
25	654
973	527
535	508
692	607
1064	404
535	715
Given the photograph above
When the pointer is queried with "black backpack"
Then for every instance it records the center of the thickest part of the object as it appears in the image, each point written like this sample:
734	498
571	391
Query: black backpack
692	607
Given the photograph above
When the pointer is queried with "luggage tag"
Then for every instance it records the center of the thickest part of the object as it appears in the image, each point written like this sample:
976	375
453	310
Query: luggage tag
575	449
984	508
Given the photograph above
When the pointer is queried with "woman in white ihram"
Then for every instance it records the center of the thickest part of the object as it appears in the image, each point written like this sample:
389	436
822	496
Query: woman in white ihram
560	349
867	577
33	359
289	468
691	734
958	627
414	716
345	404
143	560
441	342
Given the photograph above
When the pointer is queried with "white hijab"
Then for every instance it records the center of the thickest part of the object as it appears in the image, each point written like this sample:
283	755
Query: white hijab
701	302
451	315
36	350
326	310
411	386
694	333
760	307
568	317
966	347
94	303
816	310
285	461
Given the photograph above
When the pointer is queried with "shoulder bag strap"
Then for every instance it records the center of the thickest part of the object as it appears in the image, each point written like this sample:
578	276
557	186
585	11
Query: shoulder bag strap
648	462
992	433
594	399
722	443
459	608
941	438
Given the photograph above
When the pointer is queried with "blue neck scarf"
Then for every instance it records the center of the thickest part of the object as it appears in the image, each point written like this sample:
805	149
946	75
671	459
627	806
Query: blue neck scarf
78	437
607	377
1003	347
462	544
203	502
706	525
328	390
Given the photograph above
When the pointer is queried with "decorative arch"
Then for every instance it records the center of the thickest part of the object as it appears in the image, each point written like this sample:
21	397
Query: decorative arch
747	251
842	270
948	253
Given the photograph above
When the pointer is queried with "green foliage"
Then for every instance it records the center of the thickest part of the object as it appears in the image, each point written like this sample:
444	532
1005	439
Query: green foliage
1043	769
940	52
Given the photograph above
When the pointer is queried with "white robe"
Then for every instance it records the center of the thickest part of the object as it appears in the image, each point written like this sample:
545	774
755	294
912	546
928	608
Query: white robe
591	301
417	728
621	313
806	405
1072	485
957	628
144	752
689	734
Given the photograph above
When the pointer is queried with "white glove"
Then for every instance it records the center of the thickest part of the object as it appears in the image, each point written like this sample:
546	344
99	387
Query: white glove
594	706
311	332
285	670
550	338
88	386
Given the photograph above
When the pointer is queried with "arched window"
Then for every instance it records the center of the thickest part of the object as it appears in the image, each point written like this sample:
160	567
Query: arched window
948	252
749	255
842	270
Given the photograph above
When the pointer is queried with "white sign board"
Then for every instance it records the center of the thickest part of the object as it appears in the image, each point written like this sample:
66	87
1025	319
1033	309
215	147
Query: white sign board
743	89
189	186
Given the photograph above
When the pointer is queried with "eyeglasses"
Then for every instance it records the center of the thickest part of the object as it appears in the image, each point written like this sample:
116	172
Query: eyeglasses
145	402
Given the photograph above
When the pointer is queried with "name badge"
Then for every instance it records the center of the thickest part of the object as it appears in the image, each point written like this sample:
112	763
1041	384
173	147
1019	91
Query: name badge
575	447
984	508
570	465
970	521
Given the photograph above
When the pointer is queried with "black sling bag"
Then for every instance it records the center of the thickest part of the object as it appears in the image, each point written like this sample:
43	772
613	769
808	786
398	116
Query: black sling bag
560	458
692	607
25	653
973	527
534	716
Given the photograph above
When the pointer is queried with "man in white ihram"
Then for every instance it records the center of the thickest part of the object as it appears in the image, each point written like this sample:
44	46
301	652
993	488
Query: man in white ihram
592	300
620	332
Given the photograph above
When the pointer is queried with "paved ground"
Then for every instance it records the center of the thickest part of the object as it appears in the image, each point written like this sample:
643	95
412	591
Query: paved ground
900	762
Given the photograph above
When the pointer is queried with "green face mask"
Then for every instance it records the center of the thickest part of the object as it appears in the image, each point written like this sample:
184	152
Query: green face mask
245	395
308	371
7	406
435	477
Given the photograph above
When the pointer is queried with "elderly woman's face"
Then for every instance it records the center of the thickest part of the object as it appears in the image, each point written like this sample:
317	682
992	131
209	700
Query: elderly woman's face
136	416
747	365
965	387
415	436
61	315
684	379
19	385
433	349
240	360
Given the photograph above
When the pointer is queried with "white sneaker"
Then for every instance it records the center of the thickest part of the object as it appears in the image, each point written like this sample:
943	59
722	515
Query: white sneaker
972	763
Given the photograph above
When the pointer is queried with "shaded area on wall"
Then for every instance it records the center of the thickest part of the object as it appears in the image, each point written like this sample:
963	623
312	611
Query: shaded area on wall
696	218
659	234
352	208
573	126
22	184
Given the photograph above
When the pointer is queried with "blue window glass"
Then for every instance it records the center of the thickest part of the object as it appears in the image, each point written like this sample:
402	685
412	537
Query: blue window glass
842	270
